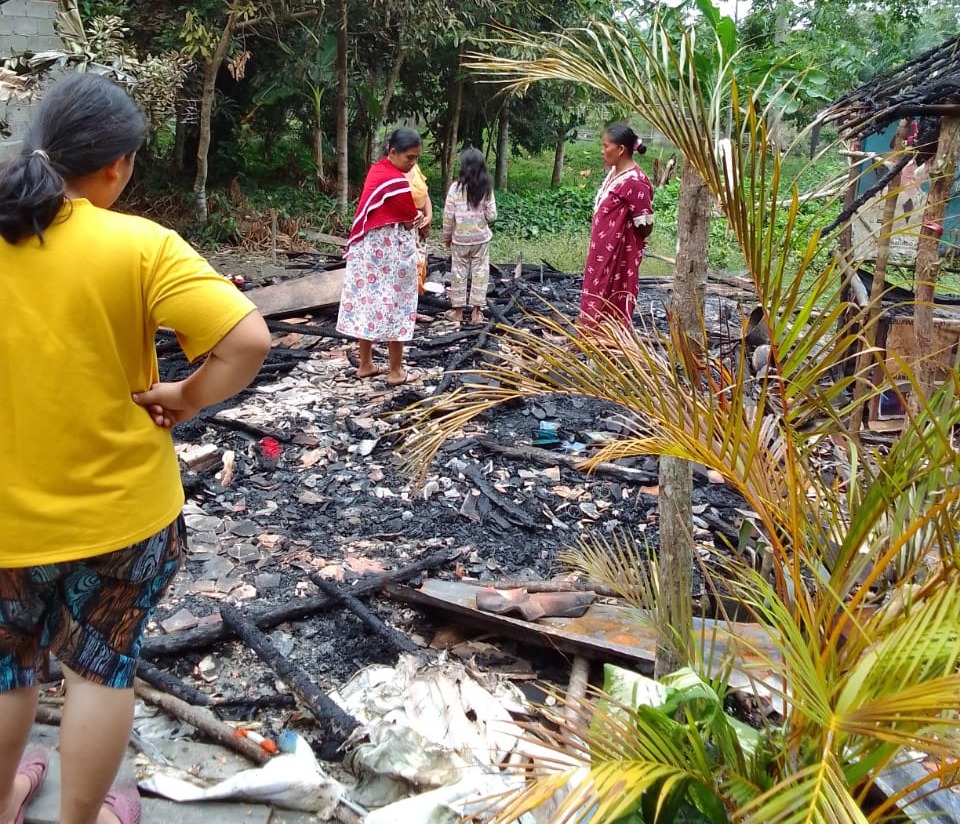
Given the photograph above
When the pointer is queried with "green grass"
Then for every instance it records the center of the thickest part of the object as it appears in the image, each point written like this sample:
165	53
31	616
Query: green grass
565	251
538	222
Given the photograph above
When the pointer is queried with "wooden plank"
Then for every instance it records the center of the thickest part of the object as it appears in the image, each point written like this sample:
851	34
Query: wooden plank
608	632
299	294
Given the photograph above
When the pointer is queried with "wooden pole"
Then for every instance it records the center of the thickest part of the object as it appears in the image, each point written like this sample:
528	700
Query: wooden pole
942	175
203	720
865	358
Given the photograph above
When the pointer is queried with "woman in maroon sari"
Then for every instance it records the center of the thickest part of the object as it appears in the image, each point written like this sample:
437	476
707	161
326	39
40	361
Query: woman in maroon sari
622	221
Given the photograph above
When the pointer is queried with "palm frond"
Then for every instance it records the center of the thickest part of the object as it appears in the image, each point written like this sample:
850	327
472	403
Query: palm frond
789	802
865	564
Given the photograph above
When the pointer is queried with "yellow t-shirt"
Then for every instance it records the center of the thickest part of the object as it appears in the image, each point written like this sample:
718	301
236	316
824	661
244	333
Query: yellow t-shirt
83	469
418	187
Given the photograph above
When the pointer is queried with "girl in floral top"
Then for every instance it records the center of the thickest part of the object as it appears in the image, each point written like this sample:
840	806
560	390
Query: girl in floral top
469	209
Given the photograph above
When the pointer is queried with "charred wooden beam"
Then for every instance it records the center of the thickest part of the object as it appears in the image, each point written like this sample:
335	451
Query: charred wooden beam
464	356
514	512
545	457
243	426
397	640
162	680
320	330
207	636
336	724
848	211
244	705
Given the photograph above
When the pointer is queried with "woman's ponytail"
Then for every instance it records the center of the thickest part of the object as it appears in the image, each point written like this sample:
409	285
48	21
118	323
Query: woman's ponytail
85	122
31	194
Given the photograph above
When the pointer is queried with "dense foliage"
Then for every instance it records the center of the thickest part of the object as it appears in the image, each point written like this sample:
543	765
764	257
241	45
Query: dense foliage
275	108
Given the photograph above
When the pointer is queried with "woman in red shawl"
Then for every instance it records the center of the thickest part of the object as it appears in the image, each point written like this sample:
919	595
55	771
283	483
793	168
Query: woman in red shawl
379	298
622	221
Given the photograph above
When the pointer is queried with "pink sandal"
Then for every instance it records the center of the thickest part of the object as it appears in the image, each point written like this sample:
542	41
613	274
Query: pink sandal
124	803
34	767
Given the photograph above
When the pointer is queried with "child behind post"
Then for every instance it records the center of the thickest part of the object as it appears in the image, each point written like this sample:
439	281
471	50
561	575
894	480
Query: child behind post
469	209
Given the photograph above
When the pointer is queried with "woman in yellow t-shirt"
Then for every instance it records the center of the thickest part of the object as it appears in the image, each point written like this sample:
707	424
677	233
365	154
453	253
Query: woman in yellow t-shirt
421	226
90	525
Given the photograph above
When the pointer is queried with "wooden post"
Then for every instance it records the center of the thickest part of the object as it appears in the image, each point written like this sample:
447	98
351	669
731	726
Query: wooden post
273	236
674	611
871	316
942	174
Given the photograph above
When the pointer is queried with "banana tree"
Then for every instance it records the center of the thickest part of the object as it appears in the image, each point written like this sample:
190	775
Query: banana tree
861	591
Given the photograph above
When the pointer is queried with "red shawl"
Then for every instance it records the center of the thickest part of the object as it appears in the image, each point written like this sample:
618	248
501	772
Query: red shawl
386	199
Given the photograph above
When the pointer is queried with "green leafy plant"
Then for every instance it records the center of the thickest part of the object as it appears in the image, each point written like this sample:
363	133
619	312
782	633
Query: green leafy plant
861	592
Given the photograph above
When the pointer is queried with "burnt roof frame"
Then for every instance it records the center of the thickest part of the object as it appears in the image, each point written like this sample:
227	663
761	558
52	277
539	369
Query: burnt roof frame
927	86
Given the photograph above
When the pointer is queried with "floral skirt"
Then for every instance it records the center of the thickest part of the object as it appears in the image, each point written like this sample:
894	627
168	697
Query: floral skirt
379	298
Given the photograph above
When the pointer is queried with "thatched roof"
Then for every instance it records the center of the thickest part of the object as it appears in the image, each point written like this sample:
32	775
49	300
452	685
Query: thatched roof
927	86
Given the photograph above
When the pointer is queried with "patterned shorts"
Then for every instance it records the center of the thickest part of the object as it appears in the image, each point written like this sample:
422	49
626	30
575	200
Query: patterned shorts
90	613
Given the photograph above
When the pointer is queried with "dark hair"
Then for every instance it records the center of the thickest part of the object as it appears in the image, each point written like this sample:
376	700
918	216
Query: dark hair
85	122
402	138
623	135
474	177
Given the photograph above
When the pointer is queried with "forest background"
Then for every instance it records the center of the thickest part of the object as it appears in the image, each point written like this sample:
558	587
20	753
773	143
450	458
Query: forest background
267	113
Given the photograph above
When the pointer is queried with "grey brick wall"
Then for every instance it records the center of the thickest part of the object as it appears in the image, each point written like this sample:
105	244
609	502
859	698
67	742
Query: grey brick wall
25	25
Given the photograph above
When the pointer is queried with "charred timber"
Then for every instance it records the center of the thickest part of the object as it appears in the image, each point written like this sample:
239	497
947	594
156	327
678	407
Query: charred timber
545	457
336	724
162	680
323	330
397	640
207	636
513	512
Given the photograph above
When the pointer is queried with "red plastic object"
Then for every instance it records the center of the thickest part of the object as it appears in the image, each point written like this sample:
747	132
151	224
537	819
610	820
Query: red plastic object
270	448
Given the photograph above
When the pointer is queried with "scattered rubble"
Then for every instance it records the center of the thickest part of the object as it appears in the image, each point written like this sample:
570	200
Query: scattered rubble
303	534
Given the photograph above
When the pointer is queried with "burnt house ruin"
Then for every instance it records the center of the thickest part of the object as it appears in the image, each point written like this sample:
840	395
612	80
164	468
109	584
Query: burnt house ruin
900	242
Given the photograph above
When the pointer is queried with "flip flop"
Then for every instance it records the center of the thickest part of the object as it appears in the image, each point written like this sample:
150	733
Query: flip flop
409	375
124	802
34	767
356	374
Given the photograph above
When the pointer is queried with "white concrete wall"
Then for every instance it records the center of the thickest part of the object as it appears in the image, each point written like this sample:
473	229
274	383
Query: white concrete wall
25	25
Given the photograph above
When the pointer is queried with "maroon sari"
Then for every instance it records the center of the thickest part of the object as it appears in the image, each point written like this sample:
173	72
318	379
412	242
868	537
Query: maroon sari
622	221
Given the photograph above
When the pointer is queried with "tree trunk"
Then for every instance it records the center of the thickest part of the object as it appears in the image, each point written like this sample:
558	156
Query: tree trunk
558	155
210	72
675	615
942	175
343	114
453	132
503	148
180	147
376	138
317	142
